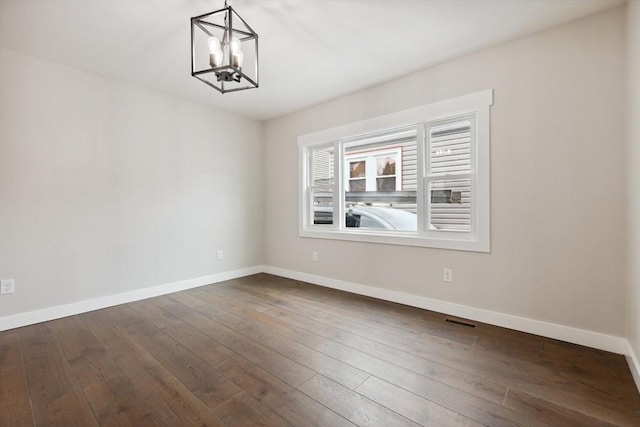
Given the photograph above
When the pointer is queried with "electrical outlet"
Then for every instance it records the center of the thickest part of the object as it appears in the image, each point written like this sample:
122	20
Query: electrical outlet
7	286
314	256
220	255
447	275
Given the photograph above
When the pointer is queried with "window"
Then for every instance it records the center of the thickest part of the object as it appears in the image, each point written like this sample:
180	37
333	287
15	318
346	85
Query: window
373	170
418	177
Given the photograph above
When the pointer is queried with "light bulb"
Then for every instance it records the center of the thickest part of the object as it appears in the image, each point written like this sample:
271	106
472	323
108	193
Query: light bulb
237	58
215	52
214	45
235	45
215	59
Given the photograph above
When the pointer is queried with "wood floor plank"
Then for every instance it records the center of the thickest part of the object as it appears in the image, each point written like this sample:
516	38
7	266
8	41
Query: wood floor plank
314	334
301	410
412	406
200	344
381	313
351	405
186	299
290	404
57	398
243	410
551	413
373	322
341	332
592	403
487	389
350	321
436	350
396	316
108	391
286	369
166	396
15	402
475	408
202	379
255	381
216	292
115	403
280	397
588	363
602	376
84	353
346	375
151	312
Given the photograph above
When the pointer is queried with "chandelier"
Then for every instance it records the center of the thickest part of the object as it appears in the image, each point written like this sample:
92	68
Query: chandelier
224	51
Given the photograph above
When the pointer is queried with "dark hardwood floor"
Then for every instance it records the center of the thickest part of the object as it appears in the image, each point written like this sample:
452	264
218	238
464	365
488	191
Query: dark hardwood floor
264	350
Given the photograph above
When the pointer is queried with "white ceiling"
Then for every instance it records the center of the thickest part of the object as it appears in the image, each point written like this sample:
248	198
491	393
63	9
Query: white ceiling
310	50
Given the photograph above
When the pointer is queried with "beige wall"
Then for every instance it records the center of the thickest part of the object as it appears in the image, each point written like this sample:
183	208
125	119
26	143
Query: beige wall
633	128
558	182
107	188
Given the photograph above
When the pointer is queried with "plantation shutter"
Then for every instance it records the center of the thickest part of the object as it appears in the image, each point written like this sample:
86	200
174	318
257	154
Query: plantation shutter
449	175
321	187
322	166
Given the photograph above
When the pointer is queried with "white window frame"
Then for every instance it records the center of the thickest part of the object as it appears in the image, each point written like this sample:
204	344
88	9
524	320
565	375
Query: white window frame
478	239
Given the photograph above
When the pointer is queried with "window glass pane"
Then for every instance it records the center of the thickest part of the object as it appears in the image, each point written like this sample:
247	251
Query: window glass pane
380	218
450	205
383	194
450	148
322	166
358	169
322	206
386	166
358	185
353	220
386	184
446	196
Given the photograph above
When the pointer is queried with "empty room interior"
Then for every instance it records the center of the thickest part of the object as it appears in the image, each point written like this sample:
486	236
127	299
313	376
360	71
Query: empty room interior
320	213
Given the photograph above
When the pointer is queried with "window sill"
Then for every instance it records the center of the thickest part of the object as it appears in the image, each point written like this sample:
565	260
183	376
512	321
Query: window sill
374	236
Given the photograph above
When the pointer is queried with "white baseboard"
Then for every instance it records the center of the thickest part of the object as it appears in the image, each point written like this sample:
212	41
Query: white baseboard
550	330
634	364
51	313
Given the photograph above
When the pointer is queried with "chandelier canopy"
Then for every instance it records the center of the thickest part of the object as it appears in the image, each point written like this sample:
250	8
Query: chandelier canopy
224	51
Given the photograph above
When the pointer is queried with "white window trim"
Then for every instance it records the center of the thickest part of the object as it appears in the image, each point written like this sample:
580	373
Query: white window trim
477	103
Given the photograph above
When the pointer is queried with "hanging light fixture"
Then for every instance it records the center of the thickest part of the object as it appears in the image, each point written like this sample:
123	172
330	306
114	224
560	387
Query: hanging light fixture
224	51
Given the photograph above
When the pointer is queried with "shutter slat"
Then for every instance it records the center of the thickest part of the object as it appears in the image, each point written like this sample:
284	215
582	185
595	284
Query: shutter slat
450	153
